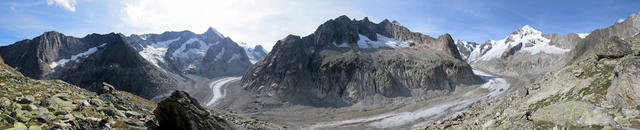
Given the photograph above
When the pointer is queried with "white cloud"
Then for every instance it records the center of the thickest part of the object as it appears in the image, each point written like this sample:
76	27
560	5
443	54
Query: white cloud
252	21
620	20
66	4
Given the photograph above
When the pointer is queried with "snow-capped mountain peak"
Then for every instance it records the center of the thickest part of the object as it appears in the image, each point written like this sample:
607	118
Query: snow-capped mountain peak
524	32
255	53
525	39
527	29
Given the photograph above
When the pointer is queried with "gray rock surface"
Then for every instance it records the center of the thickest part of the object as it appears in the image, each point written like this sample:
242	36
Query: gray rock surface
572	113
625	88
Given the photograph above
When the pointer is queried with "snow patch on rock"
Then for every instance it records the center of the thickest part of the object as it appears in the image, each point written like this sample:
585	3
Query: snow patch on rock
219	55
197	52
74	58
382	42
583	35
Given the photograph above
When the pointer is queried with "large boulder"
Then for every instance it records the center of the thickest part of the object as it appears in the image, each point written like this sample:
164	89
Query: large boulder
182	112
625	87
612	47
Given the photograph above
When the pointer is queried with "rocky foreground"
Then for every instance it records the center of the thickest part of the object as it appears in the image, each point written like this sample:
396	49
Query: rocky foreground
53	104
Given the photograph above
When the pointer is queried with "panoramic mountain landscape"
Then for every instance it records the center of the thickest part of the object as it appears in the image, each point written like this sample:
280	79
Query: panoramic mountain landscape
338	65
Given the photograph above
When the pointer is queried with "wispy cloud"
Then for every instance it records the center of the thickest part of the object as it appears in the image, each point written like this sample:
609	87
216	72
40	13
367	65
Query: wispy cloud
252	21
66	4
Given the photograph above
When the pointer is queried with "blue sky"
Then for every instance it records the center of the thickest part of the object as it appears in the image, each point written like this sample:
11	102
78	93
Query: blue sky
266	21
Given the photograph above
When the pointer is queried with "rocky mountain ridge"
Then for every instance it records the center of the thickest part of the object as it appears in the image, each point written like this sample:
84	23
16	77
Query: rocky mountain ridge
87	62
345	61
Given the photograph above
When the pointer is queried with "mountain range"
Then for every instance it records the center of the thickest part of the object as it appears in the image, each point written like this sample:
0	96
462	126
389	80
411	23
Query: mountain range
148	65
354	74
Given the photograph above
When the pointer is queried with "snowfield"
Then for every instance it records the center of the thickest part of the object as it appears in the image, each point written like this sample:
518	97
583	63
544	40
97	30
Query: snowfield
155	52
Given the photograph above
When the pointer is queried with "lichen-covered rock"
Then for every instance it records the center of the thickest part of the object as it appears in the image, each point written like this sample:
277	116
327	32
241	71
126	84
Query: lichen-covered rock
26	99
625	88
18	126
47	104
572	113
182	112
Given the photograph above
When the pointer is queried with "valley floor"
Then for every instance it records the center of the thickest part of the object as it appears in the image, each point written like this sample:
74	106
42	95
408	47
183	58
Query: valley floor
406	112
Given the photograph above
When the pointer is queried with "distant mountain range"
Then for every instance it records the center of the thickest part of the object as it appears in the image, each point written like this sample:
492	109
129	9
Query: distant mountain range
147	65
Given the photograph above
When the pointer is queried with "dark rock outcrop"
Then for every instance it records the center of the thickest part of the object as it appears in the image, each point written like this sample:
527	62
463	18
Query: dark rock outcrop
182	112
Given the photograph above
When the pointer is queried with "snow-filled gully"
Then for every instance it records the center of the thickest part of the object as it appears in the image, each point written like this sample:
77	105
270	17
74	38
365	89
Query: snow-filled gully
495	85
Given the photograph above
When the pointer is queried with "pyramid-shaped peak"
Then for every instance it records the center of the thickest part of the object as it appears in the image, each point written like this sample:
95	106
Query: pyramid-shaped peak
212	30
527	30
